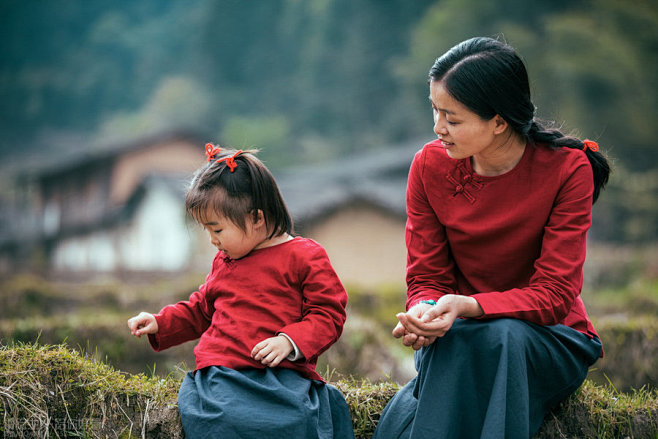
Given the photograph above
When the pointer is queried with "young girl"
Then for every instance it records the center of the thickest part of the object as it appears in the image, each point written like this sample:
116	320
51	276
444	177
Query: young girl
269	307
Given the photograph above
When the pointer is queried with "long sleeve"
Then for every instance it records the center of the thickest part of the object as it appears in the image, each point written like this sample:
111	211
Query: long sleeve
323	307
288	288
430	268
184	321
557	279
515	242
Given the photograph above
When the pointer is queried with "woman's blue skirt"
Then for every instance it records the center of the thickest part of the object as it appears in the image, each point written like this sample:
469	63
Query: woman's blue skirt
271	403
489	379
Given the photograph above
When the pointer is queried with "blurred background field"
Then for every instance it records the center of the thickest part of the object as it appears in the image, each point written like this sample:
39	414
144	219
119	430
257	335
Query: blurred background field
91	316
105	107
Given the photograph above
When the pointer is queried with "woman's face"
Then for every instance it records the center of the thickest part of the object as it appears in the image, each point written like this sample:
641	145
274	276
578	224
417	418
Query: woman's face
463	133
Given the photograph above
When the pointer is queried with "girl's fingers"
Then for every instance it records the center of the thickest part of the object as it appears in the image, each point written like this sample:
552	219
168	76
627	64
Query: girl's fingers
272	360
260	352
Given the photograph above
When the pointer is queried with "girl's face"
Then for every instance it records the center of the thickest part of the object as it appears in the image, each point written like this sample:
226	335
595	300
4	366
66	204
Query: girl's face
463	133
227	237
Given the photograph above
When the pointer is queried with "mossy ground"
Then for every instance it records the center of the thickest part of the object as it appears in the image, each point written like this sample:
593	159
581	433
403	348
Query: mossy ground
54	391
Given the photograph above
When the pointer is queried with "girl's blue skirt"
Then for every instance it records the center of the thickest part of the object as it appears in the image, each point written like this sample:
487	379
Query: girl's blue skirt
271	403
489	379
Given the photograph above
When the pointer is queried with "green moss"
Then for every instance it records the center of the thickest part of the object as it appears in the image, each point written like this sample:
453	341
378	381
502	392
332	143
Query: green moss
602	412
57	390
366	400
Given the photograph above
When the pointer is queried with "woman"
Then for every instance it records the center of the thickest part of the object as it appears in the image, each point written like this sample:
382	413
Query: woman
498	211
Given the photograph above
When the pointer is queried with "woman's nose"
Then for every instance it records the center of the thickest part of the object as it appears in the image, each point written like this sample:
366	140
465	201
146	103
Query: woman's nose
439	126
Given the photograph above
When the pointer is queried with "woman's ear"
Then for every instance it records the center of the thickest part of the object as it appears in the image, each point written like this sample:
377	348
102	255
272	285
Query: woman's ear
500	124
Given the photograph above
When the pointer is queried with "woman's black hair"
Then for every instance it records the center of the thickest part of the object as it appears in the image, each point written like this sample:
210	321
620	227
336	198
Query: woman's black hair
489	78
234	195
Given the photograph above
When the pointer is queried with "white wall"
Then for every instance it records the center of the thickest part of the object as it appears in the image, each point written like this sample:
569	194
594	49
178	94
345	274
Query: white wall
157	238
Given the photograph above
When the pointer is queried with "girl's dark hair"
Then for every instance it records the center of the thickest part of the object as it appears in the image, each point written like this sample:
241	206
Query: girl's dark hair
234	195
490	78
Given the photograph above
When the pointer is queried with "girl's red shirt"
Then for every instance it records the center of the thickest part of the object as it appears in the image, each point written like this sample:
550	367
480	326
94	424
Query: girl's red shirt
290	288
515	242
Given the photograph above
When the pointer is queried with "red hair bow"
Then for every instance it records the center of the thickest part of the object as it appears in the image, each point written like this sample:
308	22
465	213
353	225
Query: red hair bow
592	145
230	161
211	151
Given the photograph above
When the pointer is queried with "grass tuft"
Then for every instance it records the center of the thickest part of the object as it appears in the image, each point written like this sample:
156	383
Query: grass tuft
55	391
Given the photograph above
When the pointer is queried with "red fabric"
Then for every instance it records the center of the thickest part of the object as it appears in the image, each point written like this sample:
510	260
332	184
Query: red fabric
290	287
515	242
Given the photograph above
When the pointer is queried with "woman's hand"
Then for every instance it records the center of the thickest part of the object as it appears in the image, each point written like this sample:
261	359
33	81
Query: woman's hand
411	338
423	323
143	323
272	351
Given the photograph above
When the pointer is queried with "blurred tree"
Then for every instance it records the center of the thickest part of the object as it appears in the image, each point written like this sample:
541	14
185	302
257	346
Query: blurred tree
242	132
592	66
590	71
177	100
309	80
67	65
324	64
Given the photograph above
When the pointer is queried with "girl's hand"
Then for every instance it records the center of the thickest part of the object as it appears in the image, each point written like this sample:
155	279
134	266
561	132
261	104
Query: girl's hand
143	323
271	351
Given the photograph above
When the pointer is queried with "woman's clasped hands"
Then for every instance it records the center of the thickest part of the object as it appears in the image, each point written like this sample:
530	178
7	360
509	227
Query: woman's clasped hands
423	323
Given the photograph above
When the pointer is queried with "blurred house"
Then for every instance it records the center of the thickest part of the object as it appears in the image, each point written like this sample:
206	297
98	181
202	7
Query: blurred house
355	208
117	209
120	211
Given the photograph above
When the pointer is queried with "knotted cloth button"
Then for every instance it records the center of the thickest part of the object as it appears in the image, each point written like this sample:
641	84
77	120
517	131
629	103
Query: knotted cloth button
459	188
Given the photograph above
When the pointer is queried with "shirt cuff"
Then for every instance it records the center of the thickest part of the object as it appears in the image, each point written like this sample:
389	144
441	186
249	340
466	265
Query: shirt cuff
296	354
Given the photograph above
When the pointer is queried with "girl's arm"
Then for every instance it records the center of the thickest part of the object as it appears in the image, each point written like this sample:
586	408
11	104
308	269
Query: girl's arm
182	322
323	307
185	320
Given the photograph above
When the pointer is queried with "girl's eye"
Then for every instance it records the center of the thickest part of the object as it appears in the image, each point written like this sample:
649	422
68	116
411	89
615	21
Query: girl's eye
216	231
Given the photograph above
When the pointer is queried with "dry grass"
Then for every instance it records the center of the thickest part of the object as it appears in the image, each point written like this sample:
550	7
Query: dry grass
53	391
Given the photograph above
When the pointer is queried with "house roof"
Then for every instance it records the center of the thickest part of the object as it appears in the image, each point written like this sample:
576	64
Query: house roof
66	161
376	177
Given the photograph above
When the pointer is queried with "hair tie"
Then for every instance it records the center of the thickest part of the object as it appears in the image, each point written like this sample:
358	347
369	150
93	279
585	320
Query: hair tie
230	161
592	145
211	151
